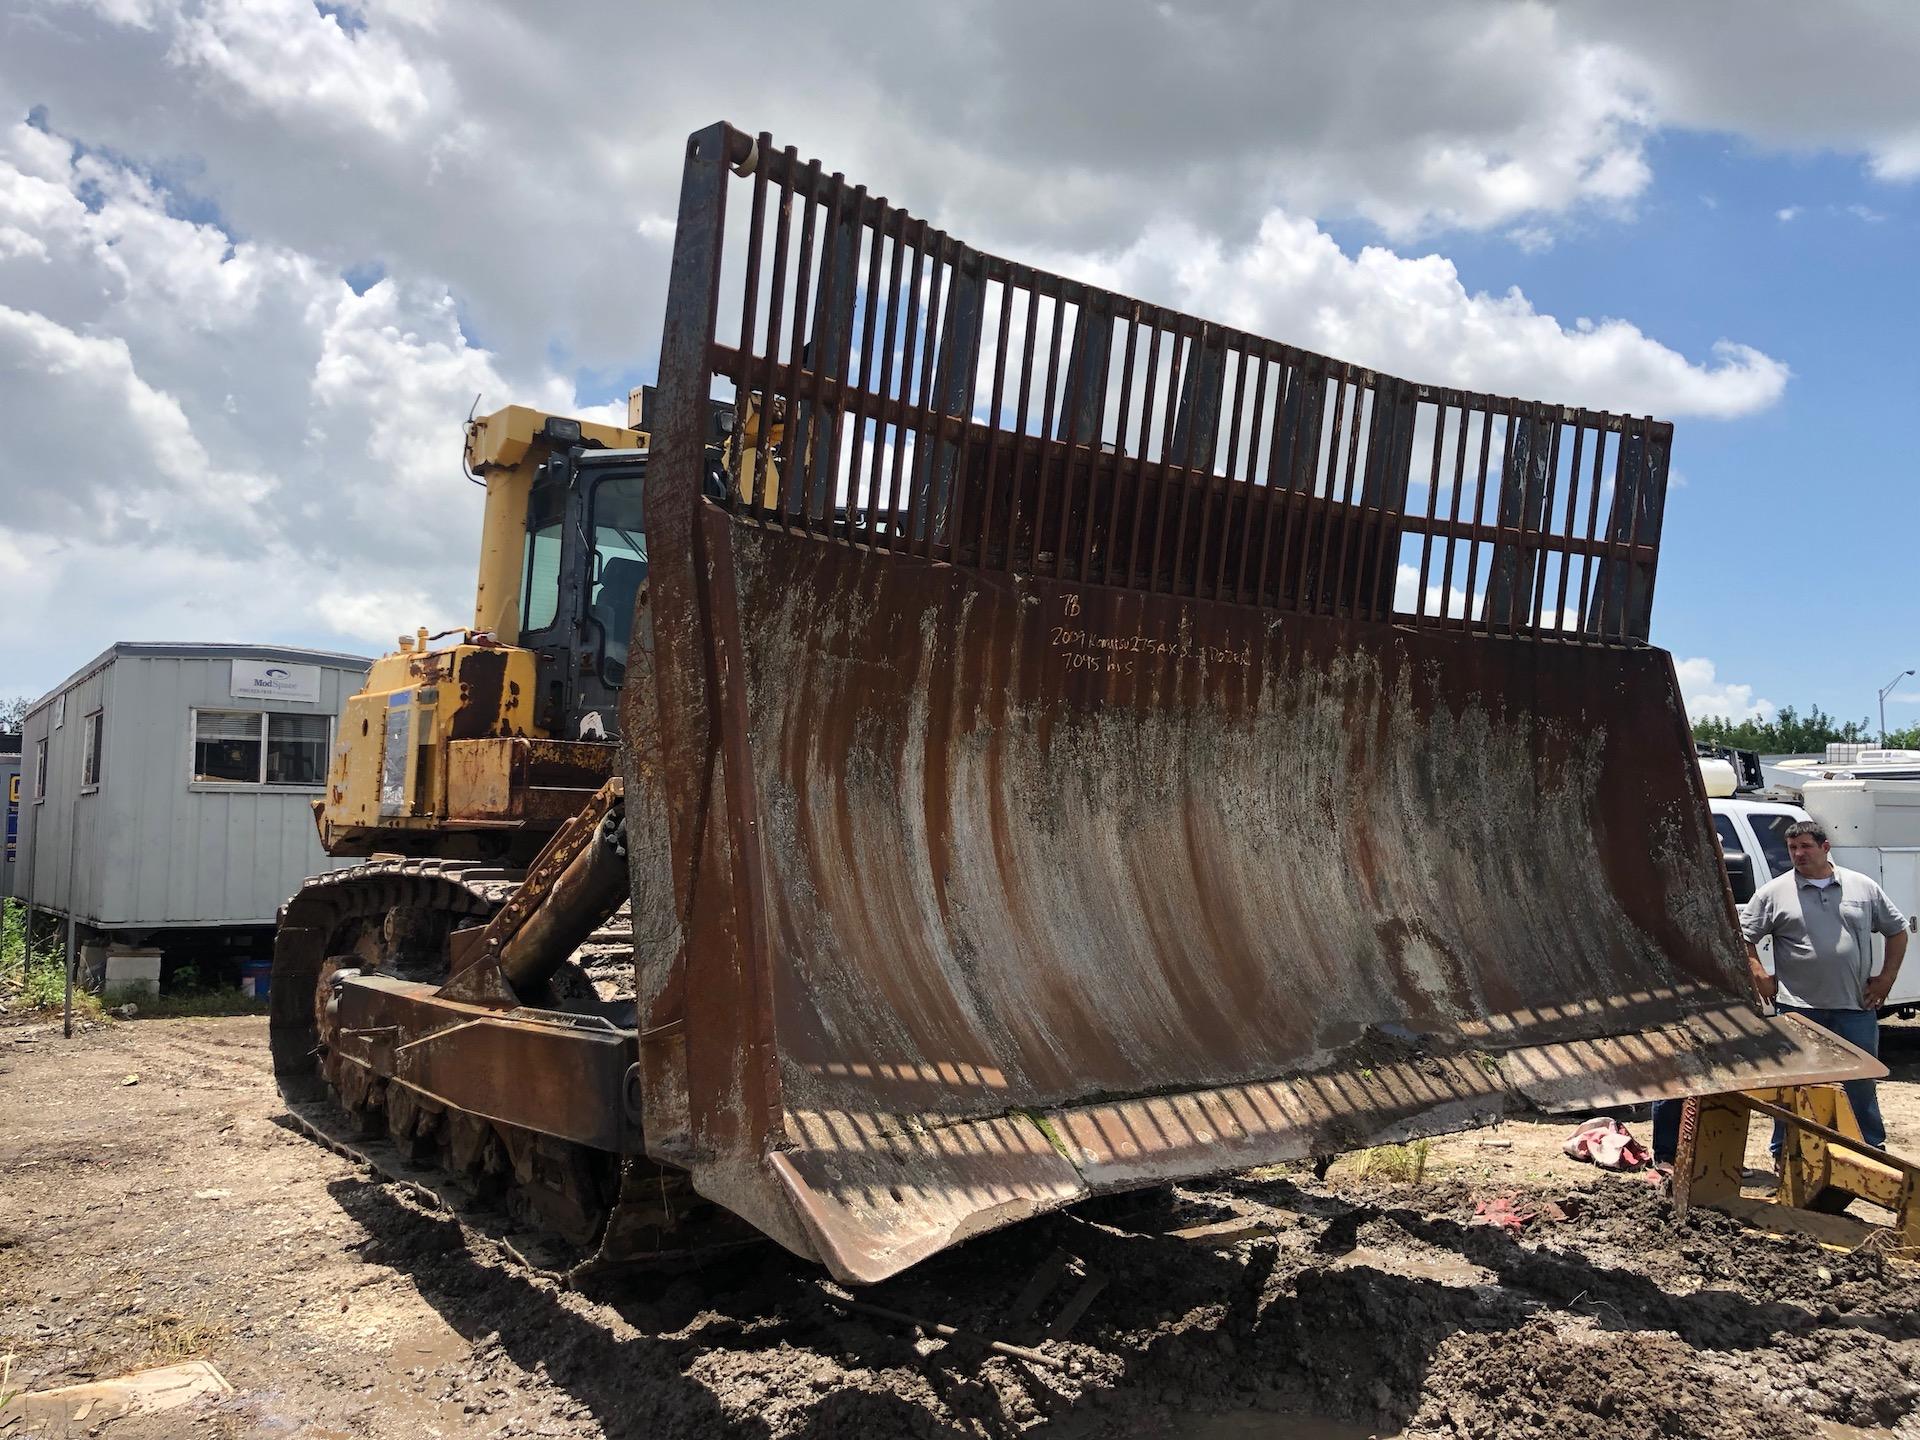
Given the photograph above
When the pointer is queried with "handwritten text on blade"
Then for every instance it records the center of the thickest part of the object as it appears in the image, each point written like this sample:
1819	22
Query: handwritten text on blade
1085	649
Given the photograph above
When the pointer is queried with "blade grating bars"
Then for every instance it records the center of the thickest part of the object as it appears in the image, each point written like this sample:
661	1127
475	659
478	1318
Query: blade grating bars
929	399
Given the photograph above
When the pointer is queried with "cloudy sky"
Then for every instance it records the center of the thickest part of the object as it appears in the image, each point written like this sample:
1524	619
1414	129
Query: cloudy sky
257	257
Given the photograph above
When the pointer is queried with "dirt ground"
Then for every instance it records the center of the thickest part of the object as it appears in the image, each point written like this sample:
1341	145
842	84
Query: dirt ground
155	1209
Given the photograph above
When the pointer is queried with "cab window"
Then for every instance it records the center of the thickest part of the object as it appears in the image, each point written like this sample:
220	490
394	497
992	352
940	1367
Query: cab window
540	569
619	566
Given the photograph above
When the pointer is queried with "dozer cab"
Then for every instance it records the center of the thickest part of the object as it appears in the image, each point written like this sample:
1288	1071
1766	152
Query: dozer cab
1063	745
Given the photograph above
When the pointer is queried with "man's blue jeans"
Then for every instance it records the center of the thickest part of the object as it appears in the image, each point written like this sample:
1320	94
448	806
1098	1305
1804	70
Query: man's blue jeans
1666	1130
1857	1027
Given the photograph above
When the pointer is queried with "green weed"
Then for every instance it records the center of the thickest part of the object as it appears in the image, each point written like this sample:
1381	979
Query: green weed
1397	1164
35	981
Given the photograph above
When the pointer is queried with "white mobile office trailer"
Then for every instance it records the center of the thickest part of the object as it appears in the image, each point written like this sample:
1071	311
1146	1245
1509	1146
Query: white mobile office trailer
167	793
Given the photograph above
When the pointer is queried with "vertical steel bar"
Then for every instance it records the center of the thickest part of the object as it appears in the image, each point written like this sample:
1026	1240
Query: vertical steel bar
1658	450
1226	484
1433	499
748	485
1186	446
1605	583
1096	452
1613	563
1369	409
1166	461
1306	601
1019	480
1566	525
1490	613
1194	436
791	491
1527	463
968	310
1544	525
1088	351
907	337
1124	414
1140	453
1394	455
1049	446
1510	579
1587	616
1331	481
877	515
1638	486
839	312
1479	503
1467	410
776	310
865	401
821	342
920	518
1253	472
996	427
1294	419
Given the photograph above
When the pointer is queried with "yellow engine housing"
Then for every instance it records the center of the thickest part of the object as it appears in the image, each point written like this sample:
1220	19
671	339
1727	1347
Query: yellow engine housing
445	740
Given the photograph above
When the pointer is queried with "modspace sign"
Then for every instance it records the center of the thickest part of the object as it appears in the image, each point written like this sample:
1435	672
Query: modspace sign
270	680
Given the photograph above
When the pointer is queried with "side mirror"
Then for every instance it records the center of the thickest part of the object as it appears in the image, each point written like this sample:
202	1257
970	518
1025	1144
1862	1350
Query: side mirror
1739	874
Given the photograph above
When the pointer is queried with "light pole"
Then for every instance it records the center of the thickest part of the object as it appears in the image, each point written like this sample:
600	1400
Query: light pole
1886	690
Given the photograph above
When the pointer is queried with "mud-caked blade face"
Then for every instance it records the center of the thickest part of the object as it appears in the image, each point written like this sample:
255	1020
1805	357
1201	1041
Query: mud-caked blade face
1265	887
1214	755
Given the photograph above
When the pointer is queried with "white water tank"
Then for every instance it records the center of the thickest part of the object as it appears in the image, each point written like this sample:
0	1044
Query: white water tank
1720	777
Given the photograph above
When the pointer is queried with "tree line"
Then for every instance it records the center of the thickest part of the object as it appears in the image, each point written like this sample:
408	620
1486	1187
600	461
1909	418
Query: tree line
1791	733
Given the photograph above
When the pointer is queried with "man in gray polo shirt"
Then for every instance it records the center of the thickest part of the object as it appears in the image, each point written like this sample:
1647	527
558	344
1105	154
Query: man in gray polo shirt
1822	919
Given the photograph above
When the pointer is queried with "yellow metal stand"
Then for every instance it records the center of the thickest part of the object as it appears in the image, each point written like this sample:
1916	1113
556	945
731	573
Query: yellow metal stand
1825	1164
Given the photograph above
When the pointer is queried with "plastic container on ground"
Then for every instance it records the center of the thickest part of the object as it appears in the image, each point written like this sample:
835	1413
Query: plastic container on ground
131	973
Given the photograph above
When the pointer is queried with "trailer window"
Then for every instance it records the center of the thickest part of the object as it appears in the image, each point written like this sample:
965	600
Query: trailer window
226	747
40	771
296	749
250	747
90	751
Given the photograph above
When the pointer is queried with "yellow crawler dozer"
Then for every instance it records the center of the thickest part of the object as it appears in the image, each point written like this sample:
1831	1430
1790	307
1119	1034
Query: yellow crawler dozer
992	741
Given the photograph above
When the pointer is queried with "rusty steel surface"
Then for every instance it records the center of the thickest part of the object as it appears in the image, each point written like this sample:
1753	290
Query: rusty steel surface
1058	801
516	780
573	887
551	1073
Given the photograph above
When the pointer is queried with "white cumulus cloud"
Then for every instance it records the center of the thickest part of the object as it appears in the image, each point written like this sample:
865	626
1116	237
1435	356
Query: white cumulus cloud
1412	316
218	438
1708	697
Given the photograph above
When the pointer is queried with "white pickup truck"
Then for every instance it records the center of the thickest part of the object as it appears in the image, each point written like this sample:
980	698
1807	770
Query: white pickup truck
1872	822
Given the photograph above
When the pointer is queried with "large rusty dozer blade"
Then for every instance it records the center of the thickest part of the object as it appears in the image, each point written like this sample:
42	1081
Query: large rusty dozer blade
1104	747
